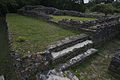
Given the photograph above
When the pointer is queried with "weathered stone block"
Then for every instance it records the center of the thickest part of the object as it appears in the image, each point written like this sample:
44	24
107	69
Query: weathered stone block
114	67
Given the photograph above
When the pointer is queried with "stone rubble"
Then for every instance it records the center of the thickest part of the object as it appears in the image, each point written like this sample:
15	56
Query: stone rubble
57	75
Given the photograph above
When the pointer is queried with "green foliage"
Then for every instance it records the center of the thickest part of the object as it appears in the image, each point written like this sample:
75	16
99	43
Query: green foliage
116	4
13	5
21	39
3	7
101	1
6	5
94	2
104	8
65	4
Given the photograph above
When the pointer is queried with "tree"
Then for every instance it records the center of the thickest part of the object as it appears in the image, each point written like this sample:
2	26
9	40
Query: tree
3	8
104	8
116	4
101	1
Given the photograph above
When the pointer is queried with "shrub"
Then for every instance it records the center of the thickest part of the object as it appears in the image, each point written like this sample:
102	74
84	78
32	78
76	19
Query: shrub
21	39
104	8
3	9
116	4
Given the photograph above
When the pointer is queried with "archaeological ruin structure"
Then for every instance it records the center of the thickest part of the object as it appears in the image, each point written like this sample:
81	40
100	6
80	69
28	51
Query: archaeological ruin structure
61	55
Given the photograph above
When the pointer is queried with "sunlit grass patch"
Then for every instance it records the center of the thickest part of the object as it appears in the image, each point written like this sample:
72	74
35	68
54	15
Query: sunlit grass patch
58	18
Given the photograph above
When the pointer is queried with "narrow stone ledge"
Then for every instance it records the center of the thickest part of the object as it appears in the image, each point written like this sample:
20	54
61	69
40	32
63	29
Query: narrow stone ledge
67	51
76	59
67	42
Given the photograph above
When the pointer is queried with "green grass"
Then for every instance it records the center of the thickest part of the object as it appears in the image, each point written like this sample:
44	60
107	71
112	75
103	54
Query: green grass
58	18
31	35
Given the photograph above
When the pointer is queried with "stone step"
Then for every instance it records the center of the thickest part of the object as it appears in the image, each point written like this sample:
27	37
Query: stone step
67	42
2	77
73	61
71	51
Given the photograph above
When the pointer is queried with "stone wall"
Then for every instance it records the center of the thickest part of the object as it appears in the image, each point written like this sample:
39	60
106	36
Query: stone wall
27	66
100	30
77	14
105	32
43	12
114	67
87	24
28	11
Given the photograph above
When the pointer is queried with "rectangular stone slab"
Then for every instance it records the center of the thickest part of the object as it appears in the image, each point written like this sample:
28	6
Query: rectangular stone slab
76	59
66	51
67	42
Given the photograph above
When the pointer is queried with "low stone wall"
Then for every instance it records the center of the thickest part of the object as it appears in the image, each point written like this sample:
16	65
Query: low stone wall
105	32
50	10
114	67
27	66
77	14
28	11
100	30
87	24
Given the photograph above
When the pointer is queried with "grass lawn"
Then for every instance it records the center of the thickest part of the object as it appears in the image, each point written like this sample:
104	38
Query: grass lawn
31	35
58	18
96	67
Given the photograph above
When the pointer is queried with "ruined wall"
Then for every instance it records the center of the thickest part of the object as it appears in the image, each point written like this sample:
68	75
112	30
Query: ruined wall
105	32
114	67
77	14
42	11
28	11
87	24
100	30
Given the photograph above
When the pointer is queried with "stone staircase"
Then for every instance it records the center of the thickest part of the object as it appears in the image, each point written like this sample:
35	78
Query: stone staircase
68	53
70	47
